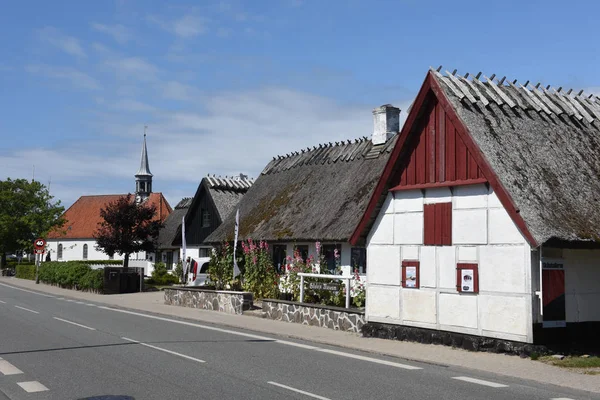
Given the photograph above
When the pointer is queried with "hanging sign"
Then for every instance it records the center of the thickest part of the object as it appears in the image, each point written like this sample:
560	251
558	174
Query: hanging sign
323	286
467	281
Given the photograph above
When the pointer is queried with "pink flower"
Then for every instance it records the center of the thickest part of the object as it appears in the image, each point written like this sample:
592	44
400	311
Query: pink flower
336	254
318	246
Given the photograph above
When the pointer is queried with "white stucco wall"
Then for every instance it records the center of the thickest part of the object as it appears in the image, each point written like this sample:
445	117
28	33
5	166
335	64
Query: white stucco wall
73	251
582	285
482	233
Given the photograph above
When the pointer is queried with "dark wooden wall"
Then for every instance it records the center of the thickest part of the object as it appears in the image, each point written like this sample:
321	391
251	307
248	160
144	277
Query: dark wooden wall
194	232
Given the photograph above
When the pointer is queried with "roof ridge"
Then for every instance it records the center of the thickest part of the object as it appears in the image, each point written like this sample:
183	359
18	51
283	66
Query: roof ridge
343	142
543	99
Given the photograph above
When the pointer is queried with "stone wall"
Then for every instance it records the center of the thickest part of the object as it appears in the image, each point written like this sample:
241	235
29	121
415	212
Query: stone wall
215	300
314	315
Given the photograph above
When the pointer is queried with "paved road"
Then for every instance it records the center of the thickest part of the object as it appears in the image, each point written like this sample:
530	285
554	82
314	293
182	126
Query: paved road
60	348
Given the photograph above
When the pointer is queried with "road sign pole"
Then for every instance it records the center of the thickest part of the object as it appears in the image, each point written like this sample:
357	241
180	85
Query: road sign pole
37	268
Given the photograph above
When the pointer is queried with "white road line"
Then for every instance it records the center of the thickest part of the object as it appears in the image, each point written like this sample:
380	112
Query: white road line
315	396
370	359
3	302
258	337
165	350
7	368
79	302
74	323
479	381
25	290
27	309
70	301
32	386
562	398
91	305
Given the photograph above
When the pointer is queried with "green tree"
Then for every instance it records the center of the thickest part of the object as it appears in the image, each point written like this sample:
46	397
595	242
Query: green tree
127	228
27	211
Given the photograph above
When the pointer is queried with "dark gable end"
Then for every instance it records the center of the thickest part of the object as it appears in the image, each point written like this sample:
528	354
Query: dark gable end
173	224
314	194
539	149
219	196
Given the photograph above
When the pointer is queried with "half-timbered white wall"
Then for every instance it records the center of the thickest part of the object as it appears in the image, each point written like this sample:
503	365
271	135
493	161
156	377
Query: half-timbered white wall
482	233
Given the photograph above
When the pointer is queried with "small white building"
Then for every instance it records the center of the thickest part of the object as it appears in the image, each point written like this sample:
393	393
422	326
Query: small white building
484	221
75	240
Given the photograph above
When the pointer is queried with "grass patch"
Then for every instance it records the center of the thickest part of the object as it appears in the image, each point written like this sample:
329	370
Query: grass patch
574	362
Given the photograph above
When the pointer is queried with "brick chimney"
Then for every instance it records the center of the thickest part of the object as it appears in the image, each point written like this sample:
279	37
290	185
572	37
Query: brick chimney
386	120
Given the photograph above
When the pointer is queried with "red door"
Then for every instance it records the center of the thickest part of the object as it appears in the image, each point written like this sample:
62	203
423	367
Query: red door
553	287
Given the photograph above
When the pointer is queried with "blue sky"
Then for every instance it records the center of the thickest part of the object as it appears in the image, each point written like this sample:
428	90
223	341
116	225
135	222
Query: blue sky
225	85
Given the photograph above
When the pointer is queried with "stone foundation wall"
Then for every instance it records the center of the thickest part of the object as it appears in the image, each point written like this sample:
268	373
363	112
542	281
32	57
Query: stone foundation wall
457	340
215	300
314	315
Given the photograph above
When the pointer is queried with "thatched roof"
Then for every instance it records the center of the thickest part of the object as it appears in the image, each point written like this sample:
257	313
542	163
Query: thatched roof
226	192
313	194
544	148
172	224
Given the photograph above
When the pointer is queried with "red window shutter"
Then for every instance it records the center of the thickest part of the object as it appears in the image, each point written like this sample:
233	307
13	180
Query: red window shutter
410	263
446	225
437	230
459	268
429	225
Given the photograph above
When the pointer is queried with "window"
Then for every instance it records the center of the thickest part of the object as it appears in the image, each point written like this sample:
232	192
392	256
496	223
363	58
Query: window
332	257
203	252
279	251
85	251
467	278
358	259
303	250
438	224
59	252
410	274
169	260
205	218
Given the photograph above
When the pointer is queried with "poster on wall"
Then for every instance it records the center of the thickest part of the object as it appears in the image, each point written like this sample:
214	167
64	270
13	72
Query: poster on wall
467	280
411	277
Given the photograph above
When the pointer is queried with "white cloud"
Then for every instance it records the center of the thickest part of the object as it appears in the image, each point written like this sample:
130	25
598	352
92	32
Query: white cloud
68	44
133	67
185	27
75	77
118	32
177	91
234	132
132	105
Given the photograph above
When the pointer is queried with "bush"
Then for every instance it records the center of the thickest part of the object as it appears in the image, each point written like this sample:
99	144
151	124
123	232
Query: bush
260	277
160	276
72	274
220	268
25	272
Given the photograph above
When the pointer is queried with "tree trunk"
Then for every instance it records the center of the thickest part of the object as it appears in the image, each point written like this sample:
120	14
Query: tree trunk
3	261
126	261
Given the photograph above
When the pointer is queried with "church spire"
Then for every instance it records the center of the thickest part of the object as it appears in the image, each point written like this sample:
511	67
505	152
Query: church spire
143	177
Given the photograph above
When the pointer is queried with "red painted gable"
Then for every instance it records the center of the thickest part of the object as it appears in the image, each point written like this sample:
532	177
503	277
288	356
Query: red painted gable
83	216
435	153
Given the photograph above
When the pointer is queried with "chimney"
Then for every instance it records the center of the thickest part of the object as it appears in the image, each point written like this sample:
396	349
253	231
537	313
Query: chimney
386	120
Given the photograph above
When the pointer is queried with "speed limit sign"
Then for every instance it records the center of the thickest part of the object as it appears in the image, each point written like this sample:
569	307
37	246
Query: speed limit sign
39	244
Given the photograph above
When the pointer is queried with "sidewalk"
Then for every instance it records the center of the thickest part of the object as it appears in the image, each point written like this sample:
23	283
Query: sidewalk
511	366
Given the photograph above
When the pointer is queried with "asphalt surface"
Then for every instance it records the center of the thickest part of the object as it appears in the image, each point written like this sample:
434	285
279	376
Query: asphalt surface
59	348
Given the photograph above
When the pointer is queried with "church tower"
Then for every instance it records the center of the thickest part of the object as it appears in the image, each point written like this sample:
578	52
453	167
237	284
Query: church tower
143	177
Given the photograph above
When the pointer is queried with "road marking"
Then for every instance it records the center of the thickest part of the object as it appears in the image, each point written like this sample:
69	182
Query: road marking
74	323
70	301
3	302
370	359
302	346
27	309
32	386
479	381
79	302
258	337
91	305
7	368
165	350
25	290
562	398
315	396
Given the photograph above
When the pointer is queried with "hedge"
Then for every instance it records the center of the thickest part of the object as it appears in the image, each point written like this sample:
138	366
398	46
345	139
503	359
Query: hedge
72	275
25	271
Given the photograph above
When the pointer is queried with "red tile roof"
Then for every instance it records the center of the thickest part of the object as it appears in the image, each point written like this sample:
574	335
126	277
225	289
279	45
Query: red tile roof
83	216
